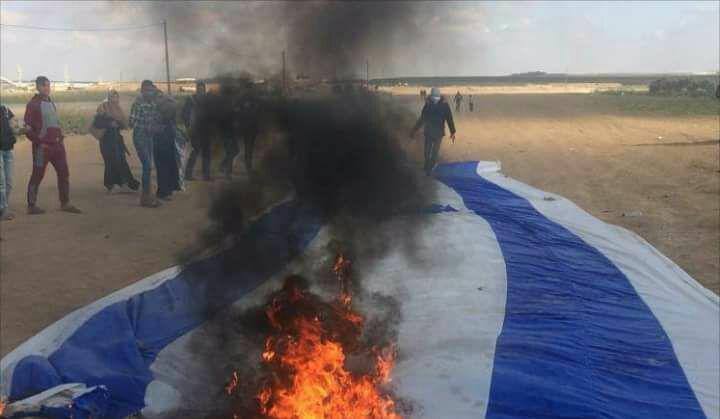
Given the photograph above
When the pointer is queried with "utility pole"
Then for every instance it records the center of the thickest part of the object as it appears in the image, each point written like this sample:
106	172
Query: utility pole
284	80
167	56
367	74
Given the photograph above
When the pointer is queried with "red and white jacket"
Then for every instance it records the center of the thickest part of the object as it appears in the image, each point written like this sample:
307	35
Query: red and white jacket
41	120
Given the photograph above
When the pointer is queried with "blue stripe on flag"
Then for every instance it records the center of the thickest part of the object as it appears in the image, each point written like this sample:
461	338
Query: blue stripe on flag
118	344
577	340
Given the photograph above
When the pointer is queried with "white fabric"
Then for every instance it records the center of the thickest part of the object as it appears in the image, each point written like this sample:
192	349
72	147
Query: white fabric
681	305
452	314
50	338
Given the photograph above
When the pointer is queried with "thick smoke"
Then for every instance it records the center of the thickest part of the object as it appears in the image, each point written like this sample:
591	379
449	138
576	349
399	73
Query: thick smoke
323	39
338	157
334	39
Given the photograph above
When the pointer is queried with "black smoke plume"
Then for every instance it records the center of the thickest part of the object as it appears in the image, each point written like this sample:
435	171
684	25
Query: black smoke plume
323	39
341	157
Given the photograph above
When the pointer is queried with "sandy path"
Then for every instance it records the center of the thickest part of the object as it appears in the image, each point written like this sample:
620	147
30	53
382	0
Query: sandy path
55	263
556	143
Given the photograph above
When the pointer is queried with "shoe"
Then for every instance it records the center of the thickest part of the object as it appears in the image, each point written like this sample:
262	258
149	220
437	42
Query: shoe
7	216
35	210
72	209
166	198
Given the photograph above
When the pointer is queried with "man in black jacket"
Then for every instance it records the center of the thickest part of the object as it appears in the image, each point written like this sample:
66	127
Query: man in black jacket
195	115
435	114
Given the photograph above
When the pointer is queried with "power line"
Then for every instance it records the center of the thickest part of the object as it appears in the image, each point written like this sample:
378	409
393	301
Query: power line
45	28
224	49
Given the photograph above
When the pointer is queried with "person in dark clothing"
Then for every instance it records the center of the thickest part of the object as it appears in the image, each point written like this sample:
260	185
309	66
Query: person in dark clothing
247	126
229	113
423	95
7	143
471	104
168	180
435	114
199	137
111	119
232	149
458	101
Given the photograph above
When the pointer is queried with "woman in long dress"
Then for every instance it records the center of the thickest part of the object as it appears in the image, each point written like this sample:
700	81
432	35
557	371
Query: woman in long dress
165	149
110	118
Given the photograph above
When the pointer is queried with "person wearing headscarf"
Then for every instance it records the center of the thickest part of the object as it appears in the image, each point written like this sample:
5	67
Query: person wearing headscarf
164	152
110	119
435	114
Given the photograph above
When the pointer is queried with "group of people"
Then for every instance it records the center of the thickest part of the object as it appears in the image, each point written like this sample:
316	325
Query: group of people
159	142
459	98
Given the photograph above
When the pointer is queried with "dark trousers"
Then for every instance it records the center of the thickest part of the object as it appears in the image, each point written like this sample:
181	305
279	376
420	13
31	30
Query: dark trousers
249	140
55	155
204	151
231	151
432	151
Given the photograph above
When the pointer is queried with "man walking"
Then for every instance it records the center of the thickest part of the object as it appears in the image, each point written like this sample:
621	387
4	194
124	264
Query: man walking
196	127
145	122
435	114
43	130
7	143
458	101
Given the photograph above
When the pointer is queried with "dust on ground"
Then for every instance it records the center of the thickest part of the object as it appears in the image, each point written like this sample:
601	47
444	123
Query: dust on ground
608	161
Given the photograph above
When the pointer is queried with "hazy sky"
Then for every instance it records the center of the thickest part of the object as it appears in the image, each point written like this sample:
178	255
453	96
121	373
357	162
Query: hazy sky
459	38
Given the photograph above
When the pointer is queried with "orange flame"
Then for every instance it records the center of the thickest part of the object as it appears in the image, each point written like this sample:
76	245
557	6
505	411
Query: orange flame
233	384
321	386
309	378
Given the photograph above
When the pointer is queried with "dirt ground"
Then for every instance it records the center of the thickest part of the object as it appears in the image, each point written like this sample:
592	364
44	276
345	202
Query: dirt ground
663	173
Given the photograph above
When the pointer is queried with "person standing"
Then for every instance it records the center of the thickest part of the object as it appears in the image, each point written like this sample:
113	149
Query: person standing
194	119
181	143
435	114
471	104
7	143
164	152
458	101
43	130
109	120
229	111
145	122
250	129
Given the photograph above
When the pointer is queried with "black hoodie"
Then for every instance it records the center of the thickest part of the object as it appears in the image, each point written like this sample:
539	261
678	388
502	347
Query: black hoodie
433	117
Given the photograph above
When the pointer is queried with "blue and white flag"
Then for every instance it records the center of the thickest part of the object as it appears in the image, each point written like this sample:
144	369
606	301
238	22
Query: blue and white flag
524	306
